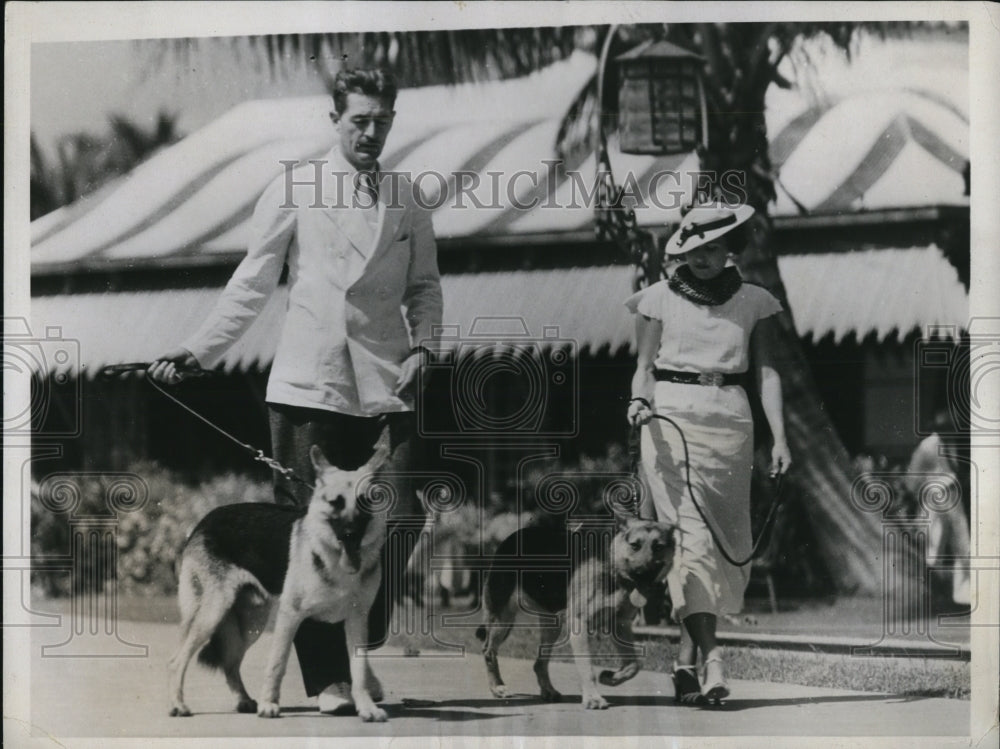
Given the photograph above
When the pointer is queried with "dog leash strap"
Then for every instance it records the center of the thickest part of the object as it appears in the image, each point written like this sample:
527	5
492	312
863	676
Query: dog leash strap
634	453
257	454
768	521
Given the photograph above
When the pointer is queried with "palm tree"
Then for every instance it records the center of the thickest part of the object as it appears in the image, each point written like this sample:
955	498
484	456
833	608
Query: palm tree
741	63
44	193
84	161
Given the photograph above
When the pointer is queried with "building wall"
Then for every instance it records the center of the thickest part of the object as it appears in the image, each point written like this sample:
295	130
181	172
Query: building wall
877	399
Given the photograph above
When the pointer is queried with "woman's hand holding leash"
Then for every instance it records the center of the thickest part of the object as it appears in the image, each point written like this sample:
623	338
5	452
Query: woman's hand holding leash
781	459
639	412
168	369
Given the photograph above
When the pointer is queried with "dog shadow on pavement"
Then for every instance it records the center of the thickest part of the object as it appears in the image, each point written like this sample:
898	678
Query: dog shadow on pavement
533	700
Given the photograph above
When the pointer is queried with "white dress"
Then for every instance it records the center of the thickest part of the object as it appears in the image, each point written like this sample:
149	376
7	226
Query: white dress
718	427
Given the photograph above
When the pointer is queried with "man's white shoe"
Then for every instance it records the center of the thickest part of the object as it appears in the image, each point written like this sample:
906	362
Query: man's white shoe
336	699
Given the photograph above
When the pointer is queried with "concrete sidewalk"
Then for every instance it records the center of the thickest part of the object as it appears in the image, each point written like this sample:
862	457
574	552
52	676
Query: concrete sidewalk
438	694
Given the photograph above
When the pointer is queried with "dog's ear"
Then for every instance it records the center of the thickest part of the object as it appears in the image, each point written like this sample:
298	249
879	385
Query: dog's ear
622	521
381	454
319	461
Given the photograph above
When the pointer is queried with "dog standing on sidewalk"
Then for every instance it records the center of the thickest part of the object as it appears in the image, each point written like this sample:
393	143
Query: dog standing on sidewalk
562	573
322	563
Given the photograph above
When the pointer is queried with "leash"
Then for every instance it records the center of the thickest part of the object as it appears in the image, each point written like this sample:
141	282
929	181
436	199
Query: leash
113	370
634	450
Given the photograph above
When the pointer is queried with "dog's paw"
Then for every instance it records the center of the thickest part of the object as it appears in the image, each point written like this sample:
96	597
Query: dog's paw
180	711
246	705
551	695
594	702
373	715
268	710
501	691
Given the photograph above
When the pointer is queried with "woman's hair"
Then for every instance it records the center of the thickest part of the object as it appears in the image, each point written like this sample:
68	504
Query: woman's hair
373	82
736	239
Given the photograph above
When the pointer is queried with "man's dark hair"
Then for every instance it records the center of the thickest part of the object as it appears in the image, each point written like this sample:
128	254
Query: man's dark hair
369	82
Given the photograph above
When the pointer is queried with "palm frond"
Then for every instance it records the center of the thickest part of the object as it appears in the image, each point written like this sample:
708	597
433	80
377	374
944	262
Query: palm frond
85	162
416	58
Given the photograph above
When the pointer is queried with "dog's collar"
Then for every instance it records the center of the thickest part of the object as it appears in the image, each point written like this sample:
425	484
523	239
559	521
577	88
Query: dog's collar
626	580
646	579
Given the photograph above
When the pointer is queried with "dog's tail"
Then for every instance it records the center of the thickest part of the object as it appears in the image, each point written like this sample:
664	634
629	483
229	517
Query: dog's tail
481	632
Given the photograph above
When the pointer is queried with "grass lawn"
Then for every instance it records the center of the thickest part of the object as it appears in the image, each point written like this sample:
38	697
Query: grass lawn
925	677
846	616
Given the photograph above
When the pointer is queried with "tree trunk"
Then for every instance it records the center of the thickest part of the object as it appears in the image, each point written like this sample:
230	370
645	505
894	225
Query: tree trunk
738	74
821	477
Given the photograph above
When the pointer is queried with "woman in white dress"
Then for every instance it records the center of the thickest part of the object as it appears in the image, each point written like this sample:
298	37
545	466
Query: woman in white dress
698	333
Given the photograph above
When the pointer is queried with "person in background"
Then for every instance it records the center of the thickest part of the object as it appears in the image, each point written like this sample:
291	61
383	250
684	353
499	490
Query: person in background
934	479
359	249
698	332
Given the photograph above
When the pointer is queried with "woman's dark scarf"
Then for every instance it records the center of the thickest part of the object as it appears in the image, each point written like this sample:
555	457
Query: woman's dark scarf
713	292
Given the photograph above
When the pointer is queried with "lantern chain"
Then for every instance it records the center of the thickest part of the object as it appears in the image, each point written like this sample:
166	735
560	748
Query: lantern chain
616	222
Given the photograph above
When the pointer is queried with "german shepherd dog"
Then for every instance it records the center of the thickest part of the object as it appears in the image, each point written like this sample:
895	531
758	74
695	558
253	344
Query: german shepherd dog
596	589
321	562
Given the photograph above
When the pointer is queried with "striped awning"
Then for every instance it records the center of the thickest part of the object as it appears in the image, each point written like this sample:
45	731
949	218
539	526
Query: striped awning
901	147
873	292
876	292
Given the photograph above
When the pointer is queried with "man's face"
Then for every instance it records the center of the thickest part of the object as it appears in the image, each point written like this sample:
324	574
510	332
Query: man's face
363	127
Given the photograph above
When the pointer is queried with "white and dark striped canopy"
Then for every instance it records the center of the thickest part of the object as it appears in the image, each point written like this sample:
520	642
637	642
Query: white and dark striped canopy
898	147
880	149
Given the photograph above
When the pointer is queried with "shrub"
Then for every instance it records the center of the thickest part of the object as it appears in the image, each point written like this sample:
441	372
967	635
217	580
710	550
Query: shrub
148	538
587	486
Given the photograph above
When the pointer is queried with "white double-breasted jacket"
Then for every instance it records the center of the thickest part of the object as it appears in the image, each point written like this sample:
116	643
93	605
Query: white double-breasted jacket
363	289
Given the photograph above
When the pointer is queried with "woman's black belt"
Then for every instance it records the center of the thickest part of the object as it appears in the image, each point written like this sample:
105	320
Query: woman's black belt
718	379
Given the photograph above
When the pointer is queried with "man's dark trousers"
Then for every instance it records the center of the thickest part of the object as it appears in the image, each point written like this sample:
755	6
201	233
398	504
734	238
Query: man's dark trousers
347	442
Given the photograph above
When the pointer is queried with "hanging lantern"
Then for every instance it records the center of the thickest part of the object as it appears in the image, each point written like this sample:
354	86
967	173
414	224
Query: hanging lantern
661	100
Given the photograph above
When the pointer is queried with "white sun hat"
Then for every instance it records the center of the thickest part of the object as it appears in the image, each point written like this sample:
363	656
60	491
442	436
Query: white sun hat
704	223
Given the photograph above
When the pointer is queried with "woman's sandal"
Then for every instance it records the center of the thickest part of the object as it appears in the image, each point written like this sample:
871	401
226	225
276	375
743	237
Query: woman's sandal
687	690
715	690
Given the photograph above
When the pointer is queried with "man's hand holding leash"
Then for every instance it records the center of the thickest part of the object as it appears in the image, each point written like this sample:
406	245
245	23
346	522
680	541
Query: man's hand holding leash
168	369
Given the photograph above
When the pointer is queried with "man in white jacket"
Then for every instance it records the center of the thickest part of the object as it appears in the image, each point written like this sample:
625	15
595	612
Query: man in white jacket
359	250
